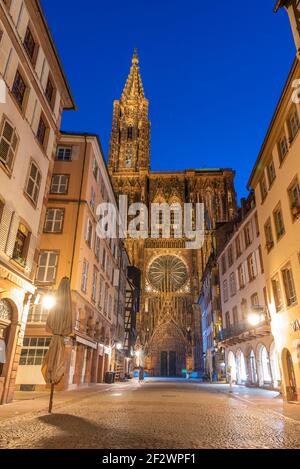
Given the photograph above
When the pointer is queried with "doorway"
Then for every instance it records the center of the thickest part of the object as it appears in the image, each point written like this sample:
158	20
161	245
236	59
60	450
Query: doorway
172	363
164	364
168	363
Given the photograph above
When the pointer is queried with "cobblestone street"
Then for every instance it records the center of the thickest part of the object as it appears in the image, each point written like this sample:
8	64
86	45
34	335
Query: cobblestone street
154	415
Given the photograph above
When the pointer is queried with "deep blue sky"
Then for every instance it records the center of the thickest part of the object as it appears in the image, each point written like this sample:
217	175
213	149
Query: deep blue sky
212	71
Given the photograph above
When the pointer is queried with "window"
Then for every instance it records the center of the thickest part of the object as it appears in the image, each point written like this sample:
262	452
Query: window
241	276
282	148
1	209
41	131
269	235
230	255
278	220
59	184
235	315
100	292
84	277
94	285
21	244
271	173
37	314
64	153
263	188
34	349
103	259
277	293
95	169
225	290
129	133
8	144
89	233
97	247
227	319
47	266
109	306
256	224
29	44
293	124
232	284
223	264
261	259
251	267
33	183
54	220
50	92
254	300
247	235
244	309
289	286
92	200
19	89
238	247
105	299
294	196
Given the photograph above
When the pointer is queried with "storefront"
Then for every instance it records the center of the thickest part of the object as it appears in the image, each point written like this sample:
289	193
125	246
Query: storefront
15	292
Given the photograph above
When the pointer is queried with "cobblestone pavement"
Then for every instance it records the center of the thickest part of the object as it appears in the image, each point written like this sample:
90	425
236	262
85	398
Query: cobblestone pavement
153	415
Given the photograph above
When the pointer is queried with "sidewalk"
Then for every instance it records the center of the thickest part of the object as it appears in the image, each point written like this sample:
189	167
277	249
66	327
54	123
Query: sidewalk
262	398
31	402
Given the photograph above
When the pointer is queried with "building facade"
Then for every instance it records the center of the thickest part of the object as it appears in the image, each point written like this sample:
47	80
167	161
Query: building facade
34	94
169	322
250	354
71	246
275	180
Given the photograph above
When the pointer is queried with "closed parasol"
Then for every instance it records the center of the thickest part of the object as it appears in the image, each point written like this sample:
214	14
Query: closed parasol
60	325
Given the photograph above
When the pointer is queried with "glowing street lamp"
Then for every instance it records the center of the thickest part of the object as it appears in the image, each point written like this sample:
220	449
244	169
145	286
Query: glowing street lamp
119	346
254	319
48	301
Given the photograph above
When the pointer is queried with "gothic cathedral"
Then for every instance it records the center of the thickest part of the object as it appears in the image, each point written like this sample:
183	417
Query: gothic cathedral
169	322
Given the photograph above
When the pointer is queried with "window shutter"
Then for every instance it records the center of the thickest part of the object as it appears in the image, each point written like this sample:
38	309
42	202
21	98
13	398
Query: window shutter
246	271
116	274
5	225
30	254
11	239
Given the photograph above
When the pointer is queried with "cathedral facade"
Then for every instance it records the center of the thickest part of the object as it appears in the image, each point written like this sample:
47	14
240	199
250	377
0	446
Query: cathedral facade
169	321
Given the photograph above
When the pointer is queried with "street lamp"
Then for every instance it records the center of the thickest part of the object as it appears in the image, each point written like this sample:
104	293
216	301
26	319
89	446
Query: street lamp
119	346
48	301
257	316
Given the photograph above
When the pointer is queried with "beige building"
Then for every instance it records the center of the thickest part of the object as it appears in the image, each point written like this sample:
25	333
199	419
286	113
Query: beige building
71	247
34	93
275	179
250	352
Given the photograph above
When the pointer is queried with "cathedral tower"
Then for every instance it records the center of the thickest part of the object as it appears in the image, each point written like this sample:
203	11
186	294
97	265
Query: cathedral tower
130	136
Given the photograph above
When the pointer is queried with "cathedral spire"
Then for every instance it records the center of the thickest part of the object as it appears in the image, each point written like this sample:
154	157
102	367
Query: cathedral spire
130	136
133	87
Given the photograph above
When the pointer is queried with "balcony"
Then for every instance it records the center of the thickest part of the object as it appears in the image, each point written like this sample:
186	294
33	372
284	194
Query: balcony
243	332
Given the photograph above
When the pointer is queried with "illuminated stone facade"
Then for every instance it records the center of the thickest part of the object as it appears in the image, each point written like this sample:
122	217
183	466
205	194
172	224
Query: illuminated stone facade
169	329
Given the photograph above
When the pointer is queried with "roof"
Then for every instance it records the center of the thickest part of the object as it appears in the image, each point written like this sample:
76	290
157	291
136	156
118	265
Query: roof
280	4
54	49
